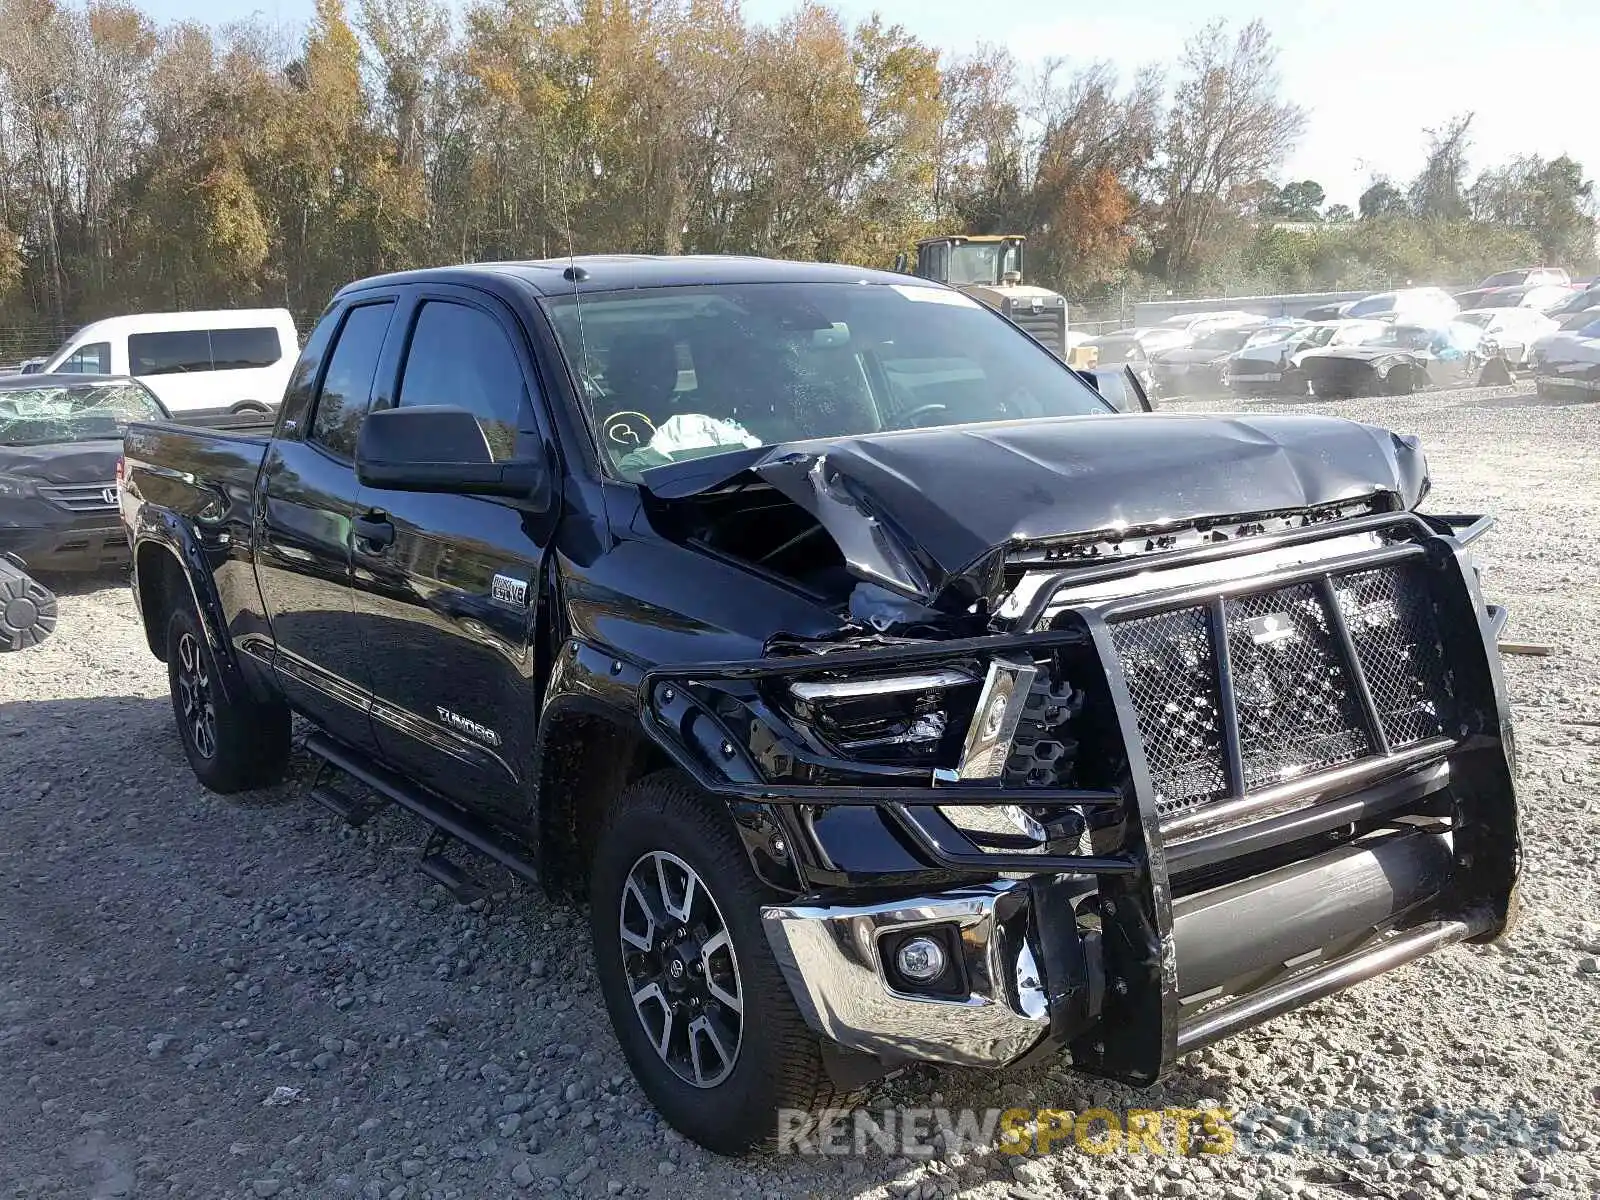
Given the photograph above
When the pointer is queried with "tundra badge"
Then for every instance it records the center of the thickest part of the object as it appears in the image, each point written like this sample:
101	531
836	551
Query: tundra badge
510	590
471	728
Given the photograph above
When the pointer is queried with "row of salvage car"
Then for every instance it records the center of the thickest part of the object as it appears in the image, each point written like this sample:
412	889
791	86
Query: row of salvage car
1389	343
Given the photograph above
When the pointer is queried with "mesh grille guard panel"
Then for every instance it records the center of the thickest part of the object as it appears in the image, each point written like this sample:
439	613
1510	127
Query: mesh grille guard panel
1171	674
1397	638
1298	711
1297	699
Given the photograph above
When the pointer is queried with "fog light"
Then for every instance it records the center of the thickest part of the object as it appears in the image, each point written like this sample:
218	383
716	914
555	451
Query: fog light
920	960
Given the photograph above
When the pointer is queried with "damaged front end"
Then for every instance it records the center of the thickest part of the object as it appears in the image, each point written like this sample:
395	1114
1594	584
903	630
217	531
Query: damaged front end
1143	791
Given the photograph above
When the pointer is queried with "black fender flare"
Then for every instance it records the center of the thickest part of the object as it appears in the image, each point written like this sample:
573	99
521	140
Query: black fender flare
165	532
586	681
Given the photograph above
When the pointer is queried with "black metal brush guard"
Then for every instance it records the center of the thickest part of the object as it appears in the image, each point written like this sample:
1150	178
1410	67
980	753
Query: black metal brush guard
1141	1032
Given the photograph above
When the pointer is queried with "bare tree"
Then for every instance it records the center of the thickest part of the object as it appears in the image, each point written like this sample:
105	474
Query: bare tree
1440	188
1227	128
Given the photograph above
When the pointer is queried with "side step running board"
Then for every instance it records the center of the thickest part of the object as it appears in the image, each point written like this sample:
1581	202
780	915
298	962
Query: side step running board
460	883
348	809
445	817
1277	999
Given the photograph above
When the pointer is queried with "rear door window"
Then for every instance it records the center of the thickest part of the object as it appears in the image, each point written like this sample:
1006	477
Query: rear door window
243	349
174	352
347	383
93	359
183	351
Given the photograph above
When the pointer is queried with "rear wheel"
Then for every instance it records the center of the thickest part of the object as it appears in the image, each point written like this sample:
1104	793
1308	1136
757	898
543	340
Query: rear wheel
233	743
695	996
1496	373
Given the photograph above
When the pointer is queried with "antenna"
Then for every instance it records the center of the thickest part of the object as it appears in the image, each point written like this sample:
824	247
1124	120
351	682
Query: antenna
574	274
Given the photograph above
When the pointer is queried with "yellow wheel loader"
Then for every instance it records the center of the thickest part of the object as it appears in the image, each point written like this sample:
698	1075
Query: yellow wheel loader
988	267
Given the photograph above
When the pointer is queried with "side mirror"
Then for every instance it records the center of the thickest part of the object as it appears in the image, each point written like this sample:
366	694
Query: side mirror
900	262
1118	387
441	448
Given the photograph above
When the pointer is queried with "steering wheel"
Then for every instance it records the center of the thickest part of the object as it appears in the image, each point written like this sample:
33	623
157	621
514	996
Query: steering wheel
627	429
913	418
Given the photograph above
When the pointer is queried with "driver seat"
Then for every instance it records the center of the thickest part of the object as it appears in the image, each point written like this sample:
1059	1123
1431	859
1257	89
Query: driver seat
642	372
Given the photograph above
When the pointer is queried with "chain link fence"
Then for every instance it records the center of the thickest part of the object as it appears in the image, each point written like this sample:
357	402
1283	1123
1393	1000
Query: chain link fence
21	343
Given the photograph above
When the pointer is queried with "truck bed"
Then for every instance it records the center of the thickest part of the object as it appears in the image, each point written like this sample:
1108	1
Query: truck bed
206	457
202	475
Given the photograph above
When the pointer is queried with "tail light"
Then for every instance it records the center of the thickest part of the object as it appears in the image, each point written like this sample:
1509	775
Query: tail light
122	471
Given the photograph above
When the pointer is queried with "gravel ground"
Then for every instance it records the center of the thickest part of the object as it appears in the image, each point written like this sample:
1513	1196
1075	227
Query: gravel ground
210	998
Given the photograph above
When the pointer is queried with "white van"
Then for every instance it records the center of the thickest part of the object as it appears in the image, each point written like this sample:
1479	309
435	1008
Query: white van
199	363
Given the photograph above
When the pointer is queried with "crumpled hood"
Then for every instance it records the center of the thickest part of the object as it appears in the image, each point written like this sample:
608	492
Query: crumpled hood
63	462
920	510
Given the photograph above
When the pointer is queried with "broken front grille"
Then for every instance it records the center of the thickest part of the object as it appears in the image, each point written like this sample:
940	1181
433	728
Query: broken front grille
1296	694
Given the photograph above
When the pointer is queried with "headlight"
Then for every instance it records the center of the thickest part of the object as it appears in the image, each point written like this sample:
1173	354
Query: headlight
1001	721
16	487
913	719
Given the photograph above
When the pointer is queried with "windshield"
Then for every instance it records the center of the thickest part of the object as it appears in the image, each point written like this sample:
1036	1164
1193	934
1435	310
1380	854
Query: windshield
1227	340
1480	319
1410	337
1457	335
1272	335
1357	332
36	416
1383	302
683	372
981	262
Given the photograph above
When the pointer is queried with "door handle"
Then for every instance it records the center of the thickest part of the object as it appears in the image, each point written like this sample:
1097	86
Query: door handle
375	529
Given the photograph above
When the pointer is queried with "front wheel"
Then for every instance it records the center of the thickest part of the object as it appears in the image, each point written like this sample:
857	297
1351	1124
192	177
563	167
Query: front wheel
695	996
233	742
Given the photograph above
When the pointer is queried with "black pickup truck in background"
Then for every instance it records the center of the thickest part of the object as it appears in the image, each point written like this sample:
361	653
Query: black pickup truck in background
886	695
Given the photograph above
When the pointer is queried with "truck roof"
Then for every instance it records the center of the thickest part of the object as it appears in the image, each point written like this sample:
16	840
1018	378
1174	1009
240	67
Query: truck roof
616	272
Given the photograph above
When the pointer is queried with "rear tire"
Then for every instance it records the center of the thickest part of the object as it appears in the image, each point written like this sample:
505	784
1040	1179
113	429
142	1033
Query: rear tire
660	830
1496	373
233	743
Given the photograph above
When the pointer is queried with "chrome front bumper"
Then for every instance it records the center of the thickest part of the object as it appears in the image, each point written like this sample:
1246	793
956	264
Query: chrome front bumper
830	957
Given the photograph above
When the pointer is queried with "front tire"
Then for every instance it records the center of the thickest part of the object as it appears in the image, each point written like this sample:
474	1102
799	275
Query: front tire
695	996
233	743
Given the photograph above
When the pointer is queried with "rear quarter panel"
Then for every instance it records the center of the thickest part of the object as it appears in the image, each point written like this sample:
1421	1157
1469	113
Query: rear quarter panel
190	493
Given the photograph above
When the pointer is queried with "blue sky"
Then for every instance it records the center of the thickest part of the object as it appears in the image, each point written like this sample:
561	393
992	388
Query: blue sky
1373	74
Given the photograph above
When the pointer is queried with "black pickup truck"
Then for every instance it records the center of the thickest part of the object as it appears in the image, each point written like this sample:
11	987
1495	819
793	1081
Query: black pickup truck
886	696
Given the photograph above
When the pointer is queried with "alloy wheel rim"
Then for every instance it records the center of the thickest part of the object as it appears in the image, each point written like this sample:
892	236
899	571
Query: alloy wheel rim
682	972
194	697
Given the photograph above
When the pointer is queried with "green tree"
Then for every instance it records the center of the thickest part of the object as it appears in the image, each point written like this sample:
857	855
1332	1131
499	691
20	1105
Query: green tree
1298	201
1382	199
1550	199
